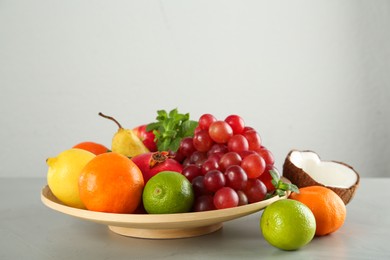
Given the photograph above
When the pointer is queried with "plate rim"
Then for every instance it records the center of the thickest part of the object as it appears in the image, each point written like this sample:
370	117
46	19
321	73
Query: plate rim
220	215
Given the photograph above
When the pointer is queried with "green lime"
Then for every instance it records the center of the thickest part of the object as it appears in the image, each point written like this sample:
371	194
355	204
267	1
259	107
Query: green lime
168	192
288	224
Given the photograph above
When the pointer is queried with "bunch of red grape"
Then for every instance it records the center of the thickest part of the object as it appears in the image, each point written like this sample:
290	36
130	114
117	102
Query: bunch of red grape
226	163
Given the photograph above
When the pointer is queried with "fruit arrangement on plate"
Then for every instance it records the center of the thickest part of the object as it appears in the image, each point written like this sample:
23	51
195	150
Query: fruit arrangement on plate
176	177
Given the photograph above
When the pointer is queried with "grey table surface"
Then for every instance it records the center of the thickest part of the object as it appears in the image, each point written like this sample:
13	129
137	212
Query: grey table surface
30	230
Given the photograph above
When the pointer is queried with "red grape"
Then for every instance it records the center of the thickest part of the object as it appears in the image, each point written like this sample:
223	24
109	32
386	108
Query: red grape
226	197
191	171
209	165
238	143
247	128
244	154
197	129
205	121
187	146
266	177
267	155
230	158
217	148
255	190
186	162
236	177
253	138
214	180
198	186
198	158
242	198
236	123
226	163
202	141
215	156
253	165
178	156
220	131
204	203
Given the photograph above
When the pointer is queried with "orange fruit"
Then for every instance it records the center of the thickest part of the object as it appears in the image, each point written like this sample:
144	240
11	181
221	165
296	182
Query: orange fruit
111	182
328	208
92	147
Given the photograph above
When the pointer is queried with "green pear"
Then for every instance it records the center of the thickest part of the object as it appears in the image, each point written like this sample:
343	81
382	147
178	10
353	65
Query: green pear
125	141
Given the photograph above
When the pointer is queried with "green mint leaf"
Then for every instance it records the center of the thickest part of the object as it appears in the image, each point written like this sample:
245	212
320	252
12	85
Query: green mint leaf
169	134
164	144
188	128
172	125
180	119
282	187
173	113
280	193
171	128
161	115
152	126
293	188
186	117
174	146
275	178
156	134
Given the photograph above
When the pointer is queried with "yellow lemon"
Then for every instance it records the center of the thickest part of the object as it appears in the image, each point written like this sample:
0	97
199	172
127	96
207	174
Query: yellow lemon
63	175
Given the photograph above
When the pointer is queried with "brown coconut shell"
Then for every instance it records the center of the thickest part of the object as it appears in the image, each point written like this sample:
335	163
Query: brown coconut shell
303	179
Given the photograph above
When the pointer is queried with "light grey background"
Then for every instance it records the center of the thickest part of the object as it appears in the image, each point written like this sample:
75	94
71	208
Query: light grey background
306	74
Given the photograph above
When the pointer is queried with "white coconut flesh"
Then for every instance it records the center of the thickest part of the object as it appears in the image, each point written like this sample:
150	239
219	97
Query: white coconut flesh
325	172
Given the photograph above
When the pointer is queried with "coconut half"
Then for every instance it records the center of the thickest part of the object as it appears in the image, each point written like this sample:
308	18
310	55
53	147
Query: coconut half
305	168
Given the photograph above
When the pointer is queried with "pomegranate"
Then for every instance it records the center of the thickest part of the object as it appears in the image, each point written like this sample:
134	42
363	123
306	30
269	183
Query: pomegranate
154	162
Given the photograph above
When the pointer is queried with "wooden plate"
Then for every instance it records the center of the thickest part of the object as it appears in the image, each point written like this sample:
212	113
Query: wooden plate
158	226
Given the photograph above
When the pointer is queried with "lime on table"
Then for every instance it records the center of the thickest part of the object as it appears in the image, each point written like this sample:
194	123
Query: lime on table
288	224
168	192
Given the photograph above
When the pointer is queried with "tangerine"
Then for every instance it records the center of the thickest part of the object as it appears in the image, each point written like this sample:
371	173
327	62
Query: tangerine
92	147
328	208
111	182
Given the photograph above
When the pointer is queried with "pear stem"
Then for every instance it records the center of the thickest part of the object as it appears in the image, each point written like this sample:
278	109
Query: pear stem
111	118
